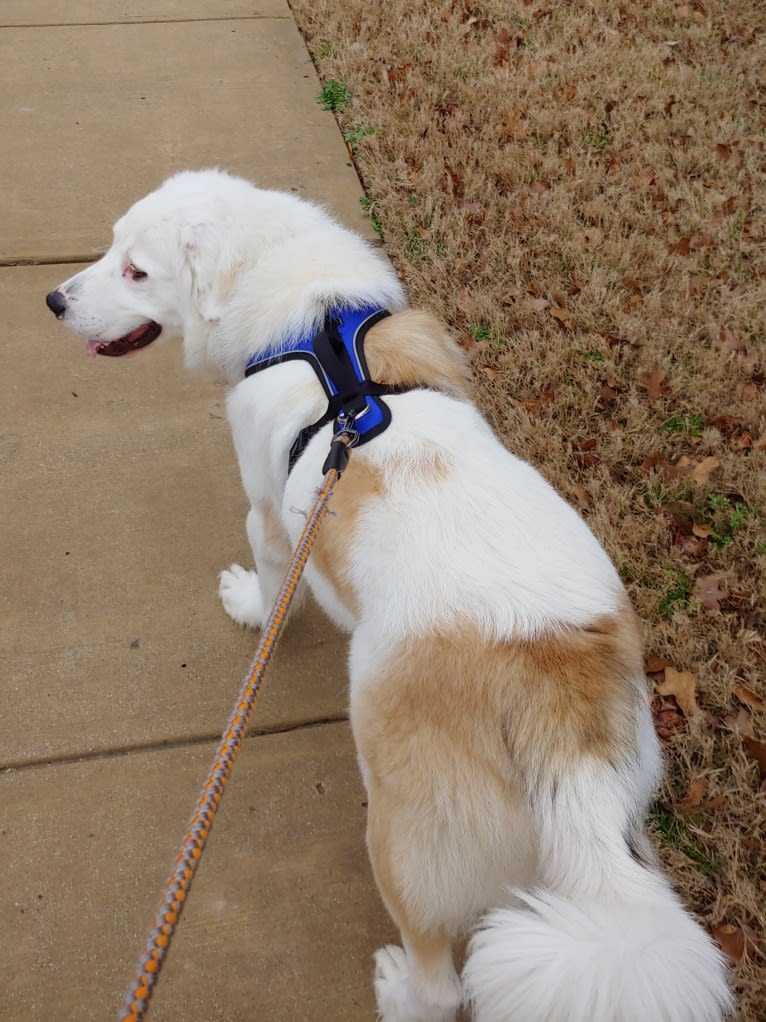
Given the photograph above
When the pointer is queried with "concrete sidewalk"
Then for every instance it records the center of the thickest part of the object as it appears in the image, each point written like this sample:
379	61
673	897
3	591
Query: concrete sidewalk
120	504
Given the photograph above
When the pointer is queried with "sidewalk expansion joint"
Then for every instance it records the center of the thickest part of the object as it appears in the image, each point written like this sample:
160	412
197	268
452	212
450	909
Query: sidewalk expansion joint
117	752
148	21
8	262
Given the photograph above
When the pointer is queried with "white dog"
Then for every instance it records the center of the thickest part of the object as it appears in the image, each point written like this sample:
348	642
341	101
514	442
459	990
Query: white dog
497	687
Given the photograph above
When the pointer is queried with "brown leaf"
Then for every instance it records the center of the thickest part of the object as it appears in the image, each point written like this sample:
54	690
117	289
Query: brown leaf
534	406
742	723
585	445
681	248
736	942
722	151
653	382
655	664
742	441
756	750
691	545
563	317
703	471
708	592
695	794
606	397
633	284
682	686
701	531
667	718
747	696
679	469
490	372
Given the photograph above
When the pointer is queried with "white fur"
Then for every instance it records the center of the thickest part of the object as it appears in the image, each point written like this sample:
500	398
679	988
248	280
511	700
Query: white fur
578	928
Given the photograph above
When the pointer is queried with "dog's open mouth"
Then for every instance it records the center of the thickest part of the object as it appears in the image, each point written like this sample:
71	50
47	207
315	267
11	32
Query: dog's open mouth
138	338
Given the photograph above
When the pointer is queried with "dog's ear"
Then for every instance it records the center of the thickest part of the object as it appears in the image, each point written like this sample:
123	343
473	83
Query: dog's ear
211	266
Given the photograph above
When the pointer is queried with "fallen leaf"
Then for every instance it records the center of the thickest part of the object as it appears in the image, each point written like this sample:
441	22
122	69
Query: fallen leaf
655	664
708	592
747	696
736	942
702	531
564	317
534	405
703	471
653	382
682	247
682	686
722	151
490	372
727	425
633	284
742	441
695	794
667	718
756	750
743	723
692	546
679	469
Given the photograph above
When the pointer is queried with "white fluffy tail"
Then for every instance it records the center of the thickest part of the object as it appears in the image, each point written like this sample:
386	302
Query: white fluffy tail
593	960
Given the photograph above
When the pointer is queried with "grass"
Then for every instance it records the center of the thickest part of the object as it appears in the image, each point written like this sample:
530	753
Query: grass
335	95
691	425
676	596
672	831
586	182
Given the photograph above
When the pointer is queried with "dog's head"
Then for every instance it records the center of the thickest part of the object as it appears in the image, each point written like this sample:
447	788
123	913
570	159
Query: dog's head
168	268
229	267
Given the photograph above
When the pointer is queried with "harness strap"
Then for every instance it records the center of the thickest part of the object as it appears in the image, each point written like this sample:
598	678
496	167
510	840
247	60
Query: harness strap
336	354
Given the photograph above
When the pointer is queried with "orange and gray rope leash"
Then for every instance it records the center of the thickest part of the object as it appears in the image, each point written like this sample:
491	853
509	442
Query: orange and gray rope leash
179	882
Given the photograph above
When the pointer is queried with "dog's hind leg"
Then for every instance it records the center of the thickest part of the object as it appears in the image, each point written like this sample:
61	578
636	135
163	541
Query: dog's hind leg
417	983
247	596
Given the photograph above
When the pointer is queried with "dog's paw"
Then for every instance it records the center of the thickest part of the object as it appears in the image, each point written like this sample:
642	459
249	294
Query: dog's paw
397	999
392	984
240	594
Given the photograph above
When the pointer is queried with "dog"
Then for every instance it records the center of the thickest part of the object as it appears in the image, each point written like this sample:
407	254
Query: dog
497	691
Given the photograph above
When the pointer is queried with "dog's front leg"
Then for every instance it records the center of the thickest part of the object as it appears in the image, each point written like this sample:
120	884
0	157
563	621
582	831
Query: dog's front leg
247	596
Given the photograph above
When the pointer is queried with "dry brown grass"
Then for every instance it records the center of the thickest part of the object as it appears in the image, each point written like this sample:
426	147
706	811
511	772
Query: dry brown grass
577	189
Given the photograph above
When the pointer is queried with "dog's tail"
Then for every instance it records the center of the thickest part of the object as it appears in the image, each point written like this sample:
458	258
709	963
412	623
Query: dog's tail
604	940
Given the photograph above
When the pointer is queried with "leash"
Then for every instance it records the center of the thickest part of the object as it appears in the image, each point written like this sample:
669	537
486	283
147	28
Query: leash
179	882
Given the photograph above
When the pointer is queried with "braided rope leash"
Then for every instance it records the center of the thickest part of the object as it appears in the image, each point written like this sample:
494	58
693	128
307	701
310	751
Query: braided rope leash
179	882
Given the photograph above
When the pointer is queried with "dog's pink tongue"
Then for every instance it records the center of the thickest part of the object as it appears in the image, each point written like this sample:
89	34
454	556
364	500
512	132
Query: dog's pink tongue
92	348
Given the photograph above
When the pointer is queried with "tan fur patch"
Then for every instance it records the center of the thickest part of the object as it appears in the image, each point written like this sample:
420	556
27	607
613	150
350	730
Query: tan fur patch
506	714
360	484
411	348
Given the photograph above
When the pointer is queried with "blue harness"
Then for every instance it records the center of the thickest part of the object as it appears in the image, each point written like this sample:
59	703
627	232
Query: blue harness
336	354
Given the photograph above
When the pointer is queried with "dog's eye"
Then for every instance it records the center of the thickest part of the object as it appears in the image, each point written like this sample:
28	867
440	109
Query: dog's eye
133	272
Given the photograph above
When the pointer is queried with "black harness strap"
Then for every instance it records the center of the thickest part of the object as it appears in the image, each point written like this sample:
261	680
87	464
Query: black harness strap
336	353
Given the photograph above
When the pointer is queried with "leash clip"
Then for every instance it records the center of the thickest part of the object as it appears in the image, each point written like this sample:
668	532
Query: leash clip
344	438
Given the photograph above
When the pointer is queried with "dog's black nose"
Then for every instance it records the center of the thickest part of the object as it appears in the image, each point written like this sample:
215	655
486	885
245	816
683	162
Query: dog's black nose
56	302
